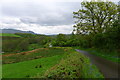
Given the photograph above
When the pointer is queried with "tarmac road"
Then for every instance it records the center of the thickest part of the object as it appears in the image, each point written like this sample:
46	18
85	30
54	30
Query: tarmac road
108	69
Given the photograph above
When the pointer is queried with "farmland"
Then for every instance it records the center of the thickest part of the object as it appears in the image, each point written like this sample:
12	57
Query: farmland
51	46
29	56
40	67
8	34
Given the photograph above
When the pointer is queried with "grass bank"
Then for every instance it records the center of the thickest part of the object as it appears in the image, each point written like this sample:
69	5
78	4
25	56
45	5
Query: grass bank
73	65
112	56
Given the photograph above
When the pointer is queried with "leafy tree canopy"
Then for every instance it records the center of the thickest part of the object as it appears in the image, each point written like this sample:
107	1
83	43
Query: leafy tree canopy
95	16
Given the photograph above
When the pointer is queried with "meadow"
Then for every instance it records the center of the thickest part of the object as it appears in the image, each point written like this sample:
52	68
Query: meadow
29	55
96	30
8	34
55	61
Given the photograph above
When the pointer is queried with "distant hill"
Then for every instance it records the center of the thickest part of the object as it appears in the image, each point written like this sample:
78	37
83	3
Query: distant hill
14	31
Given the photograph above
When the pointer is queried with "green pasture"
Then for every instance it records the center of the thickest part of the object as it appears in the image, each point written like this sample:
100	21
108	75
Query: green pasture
57	62
8	34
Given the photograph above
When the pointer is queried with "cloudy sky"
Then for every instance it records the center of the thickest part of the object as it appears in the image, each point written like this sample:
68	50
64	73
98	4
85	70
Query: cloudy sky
39	16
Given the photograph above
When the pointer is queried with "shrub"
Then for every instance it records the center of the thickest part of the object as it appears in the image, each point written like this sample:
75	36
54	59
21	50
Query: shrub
15	45
73	66
23	45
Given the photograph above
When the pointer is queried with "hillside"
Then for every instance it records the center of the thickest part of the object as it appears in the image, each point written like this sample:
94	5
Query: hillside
14	31
9	35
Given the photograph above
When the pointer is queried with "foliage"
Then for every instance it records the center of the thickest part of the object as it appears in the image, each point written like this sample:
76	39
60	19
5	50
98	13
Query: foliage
95	17
98	23
60	40
15	45
73	40
75	65
22	43
110	39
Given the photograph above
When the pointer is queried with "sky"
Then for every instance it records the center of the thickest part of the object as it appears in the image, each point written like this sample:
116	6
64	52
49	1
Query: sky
40	16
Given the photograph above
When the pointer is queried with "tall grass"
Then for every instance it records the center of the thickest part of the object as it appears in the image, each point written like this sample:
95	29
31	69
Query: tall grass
74	65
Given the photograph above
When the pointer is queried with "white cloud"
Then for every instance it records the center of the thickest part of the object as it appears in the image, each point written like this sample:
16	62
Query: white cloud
40	16
10	20
15	23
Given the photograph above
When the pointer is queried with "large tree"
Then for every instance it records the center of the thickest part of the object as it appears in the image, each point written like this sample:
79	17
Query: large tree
95	17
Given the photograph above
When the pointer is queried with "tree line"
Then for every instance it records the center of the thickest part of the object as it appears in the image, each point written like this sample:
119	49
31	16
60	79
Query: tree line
97	26
22	43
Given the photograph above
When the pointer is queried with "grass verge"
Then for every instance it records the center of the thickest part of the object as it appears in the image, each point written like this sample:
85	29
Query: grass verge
74	65
112	56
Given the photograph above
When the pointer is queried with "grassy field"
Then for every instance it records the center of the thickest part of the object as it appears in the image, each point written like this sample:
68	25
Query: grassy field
29	55
29	68
50	65
8	34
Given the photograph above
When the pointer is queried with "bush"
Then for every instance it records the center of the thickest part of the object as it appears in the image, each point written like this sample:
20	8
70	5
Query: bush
15	45
9	45
99	41
23	45
108	40
75	65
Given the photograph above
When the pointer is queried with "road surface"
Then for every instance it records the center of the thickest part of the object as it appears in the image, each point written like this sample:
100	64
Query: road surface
108	69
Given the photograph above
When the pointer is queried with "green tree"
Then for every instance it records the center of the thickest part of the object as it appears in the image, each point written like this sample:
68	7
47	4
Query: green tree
95	17
60	40
22	45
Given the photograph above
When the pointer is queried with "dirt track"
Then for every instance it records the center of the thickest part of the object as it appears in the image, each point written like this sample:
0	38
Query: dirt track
108	69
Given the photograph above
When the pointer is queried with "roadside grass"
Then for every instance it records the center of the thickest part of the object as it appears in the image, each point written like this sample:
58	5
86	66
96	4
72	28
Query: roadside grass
8	34
29	68
112	56
34	54
73	65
